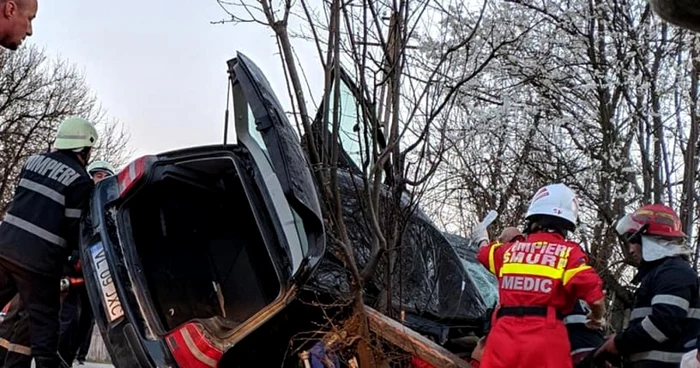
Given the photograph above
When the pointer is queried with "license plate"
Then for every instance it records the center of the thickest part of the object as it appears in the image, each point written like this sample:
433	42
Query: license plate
110	299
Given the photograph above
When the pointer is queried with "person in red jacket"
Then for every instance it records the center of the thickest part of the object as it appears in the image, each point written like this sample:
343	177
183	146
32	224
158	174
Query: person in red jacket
539	278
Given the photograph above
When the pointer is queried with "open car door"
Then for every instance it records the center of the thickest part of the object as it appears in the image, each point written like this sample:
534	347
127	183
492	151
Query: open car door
263	129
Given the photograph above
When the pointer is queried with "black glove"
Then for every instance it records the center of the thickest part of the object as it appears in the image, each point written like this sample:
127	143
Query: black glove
486	320
604	360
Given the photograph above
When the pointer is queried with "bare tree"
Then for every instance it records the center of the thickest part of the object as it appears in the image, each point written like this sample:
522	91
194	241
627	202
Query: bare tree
35	95
113	145
394	130
599	95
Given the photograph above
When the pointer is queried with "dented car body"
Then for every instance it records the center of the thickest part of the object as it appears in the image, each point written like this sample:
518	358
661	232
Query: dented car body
188	253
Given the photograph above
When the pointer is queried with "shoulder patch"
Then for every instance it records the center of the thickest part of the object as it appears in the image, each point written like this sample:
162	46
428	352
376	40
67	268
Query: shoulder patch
580	262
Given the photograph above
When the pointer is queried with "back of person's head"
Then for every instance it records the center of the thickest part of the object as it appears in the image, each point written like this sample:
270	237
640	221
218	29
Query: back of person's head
510	234
553	208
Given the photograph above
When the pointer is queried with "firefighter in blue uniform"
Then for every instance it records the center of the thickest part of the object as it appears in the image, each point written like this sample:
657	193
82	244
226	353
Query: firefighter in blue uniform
76	319
76	314
14	329
74	322
582	338
39	230
663	323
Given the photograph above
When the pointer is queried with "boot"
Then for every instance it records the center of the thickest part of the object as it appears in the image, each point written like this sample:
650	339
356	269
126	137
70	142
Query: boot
48	362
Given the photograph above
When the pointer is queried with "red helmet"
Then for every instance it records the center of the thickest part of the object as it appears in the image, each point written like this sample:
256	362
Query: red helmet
654	219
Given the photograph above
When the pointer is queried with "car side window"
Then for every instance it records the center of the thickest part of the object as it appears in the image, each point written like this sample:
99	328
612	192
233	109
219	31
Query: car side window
255	133
243	108
243	111
350	133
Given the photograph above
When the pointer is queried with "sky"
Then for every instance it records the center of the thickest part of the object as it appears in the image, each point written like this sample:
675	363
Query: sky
159	66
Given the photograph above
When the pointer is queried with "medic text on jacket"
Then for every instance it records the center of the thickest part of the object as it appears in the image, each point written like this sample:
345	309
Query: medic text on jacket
539	278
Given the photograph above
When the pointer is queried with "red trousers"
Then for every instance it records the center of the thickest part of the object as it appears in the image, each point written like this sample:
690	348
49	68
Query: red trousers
417	362
527	342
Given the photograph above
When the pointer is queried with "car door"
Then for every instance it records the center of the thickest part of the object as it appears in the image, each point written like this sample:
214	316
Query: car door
263	129
106	280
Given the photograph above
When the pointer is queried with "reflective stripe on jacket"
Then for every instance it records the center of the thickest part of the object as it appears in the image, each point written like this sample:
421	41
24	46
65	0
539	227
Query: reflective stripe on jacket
41	224
582	338
665	319
543	270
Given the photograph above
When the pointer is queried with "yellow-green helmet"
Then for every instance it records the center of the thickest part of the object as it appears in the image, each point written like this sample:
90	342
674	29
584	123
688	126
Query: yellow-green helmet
75	133
100	166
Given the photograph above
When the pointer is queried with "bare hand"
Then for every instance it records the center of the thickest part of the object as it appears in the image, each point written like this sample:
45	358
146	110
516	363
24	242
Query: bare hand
595	324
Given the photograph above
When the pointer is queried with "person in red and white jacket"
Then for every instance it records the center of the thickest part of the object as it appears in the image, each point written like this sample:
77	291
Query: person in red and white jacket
539	280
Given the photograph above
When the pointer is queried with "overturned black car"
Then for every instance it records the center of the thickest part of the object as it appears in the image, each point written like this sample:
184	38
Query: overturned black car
187	254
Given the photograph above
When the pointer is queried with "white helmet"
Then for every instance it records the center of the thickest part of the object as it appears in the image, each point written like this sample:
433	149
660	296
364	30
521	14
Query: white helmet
75	133
100	166
556	200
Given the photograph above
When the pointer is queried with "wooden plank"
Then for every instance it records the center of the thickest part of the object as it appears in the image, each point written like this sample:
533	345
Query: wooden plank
98	350
412	342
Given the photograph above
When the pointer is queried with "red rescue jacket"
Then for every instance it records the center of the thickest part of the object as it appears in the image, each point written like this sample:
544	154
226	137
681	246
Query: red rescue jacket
543	270
417	362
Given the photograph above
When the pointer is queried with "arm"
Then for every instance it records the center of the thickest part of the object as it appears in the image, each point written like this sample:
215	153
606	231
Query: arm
488	255
671	292
581	281
597	309
77	201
